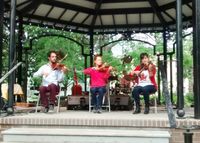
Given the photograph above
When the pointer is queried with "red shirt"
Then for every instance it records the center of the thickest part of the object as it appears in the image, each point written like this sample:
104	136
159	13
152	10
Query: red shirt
97	78
152	78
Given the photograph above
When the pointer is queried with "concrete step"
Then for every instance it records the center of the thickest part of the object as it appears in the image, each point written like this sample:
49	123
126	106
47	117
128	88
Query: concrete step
12	142
84	135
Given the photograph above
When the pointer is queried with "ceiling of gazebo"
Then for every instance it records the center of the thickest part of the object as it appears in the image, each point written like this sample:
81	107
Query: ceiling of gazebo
103	16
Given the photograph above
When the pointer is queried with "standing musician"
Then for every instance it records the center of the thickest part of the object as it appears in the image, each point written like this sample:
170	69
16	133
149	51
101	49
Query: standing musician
146	83
99	75
52	73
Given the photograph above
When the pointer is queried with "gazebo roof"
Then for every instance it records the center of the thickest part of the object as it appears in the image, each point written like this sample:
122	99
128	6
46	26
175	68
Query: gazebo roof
103	16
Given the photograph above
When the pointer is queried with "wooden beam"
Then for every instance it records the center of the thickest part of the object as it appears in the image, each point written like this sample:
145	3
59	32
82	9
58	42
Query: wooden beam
82	22
52	20
70	6
157	10
114	23
97	8
61	15
33	5
172	18
173	5
70	21
56	27
47	14
117	1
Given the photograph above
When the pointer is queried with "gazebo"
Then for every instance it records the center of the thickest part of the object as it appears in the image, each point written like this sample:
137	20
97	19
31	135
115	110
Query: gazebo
95	17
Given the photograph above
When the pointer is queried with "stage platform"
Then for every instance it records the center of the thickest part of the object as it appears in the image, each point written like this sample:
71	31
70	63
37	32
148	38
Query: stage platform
26	116
114	119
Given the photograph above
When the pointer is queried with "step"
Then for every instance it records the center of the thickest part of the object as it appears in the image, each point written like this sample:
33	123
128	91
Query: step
84	135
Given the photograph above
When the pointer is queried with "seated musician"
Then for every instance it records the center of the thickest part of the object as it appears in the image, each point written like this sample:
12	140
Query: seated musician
146	83
52	73
99	75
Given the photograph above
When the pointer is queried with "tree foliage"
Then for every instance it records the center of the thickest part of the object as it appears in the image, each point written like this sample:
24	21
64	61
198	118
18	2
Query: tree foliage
41	46
38	53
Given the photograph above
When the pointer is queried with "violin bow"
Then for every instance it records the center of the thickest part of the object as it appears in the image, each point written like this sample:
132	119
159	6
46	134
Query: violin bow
63	58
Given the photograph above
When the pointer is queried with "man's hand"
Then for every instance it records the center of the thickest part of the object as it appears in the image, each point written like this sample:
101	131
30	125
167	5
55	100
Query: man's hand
64	69
45	74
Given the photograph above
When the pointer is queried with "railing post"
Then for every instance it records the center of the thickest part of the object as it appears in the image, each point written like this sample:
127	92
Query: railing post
91	48
196	57
11	56
1	42
188	136
179	55
187	133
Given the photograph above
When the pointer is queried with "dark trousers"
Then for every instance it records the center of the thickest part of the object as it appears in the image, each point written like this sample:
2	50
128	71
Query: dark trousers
97	96
145	91
53	90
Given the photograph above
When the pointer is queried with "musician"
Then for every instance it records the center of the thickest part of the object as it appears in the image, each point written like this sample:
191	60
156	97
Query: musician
146	83
52	73
99	75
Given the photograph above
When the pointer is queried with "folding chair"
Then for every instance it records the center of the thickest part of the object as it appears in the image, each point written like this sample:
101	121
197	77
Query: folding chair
58	96
106	97
155	102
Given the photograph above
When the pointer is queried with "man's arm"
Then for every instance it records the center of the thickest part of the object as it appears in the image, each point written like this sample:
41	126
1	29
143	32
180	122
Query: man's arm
39	72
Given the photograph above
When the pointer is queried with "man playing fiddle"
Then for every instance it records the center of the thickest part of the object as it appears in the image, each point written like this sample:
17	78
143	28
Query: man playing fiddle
99	75
52	73
146	83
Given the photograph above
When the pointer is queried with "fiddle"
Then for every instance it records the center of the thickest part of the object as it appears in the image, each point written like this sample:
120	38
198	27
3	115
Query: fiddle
149	66
59	66
104	67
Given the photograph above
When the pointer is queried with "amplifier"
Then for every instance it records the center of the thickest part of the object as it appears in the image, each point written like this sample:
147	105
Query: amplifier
117	102
120	102
77	102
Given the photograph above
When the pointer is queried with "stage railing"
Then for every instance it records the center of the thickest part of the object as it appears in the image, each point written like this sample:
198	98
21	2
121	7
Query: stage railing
9	72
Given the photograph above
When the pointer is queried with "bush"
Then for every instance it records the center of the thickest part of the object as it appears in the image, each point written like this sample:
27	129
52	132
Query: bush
189	99
162	99
36	81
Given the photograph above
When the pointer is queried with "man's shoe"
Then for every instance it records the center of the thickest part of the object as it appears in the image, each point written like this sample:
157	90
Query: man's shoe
94	111
137	111
51	107
99	110
46	110
146	110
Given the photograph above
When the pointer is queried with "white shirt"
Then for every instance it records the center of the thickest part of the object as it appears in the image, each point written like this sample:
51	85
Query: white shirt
144	79
54	76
